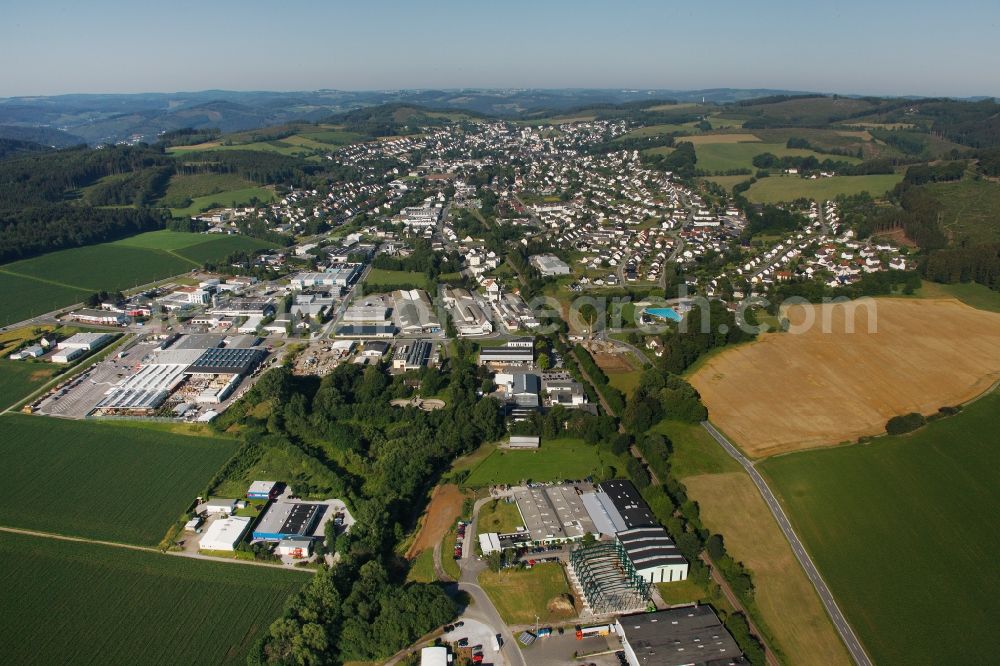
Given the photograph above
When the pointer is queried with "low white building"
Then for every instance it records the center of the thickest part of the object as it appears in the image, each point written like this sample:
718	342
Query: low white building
489	542
294	547
524	442
434	656
224	533
218	505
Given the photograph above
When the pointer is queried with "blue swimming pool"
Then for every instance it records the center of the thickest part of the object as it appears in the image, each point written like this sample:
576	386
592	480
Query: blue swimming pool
664	313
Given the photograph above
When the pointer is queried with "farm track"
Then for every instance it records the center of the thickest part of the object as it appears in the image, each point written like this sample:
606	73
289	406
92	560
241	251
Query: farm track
173	253
148	549
43	280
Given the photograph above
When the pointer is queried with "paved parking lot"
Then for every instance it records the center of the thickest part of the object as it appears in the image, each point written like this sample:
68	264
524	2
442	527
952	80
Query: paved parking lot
86	389
559	650
478	633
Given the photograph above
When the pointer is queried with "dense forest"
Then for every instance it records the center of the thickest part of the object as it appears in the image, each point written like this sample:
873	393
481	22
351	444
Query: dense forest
43	229
52	176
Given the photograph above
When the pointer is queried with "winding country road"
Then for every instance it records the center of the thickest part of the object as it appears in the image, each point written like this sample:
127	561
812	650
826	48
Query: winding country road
843	628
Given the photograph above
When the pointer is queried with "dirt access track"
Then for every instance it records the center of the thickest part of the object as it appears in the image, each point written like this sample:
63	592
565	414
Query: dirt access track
441	514
798	390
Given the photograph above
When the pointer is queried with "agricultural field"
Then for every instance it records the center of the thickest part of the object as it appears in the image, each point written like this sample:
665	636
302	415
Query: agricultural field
15	337
19	378
224	199
219	247
102	481
24	297
727	182
162	240
719	157
183	187
41	284
973	294
901	530
78	603
730	504
970	210
120	267
556	459
330	135
724	138
521	594
825	388
657	130
789	188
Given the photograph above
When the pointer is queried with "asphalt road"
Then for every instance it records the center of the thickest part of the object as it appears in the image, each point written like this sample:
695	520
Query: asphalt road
482	608
843	628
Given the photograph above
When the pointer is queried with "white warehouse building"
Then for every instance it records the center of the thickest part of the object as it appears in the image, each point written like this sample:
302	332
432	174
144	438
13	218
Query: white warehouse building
224	533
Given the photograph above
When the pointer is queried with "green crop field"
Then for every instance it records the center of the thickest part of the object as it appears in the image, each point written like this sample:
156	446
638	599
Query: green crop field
105	266
219	247
79	603
23	297
334	137
970	210
557	459
100	480
713	157
224	199
188	186
162	240
19	378
904	531
973	294
788	188
33	286
719	121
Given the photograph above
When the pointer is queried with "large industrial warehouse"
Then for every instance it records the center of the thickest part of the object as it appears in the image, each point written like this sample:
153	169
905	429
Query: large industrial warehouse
192	371
288	519
677	637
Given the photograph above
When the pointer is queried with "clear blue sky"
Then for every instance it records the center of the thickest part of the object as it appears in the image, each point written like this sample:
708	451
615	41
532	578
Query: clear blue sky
848	46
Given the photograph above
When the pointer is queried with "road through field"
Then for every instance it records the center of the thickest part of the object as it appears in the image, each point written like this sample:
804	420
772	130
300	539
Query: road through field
843	628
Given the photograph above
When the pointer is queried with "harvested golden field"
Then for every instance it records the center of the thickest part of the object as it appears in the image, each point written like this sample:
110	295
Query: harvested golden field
799	390
731	505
